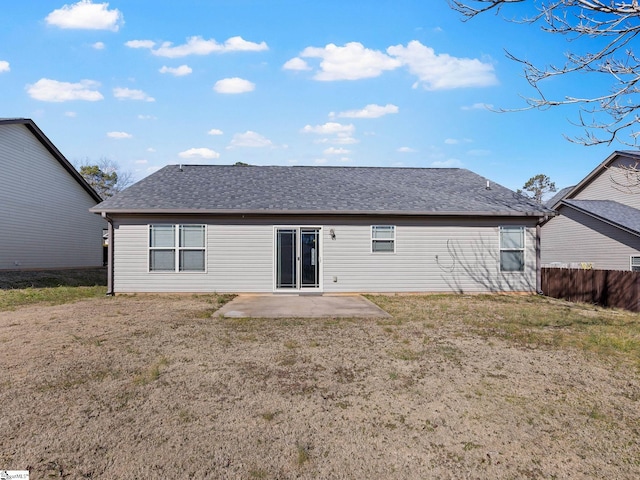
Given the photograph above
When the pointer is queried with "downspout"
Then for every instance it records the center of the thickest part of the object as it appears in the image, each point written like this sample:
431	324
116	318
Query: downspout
109	220
538	256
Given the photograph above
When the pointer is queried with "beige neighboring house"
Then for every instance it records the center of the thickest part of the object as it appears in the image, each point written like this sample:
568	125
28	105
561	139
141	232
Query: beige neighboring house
598	222
45	221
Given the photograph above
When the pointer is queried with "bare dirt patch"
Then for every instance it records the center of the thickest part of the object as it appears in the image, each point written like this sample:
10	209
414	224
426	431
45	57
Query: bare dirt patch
153	387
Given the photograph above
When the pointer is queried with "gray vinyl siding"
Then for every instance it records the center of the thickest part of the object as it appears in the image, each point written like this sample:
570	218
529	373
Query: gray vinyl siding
455	255
238	258
44	220
576	240
443	255
610	185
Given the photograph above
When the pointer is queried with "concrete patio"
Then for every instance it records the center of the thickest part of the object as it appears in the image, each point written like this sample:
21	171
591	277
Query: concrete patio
305	306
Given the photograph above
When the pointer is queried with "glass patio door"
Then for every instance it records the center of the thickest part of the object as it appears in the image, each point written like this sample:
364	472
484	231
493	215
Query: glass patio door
297	259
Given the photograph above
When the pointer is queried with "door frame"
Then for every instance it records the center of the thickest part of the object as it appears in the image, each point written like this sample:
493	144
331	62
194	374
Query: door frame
298	288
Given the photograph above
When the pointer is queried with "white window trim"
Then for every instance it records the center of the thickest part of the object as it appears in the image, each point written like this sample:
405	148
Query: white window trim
393	240
176	249
523	249
637	263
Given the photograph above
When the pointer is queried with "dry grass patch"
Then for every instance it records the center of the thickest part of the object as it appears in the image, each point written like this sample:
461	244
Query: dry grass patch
53	287
529	321
450	387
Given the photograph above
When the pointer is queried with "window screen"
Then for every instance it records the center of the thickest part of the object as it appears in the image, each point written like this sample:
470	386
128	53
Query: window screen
512	249
383	238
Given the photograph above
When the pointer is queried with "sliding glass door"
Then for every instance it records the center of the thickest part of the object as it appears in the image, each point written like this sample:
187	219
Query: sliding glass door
297	258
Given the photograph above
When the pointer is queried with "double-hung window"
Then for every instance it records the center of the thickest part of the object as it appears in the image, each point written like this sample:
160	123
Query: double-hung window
383	238
512	249
635	264
177	248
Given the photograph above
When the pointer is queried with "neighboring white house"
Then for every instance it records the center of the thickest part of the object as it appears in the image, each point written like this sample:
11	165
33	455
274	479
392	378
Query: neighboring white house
598	225
45	221
204	228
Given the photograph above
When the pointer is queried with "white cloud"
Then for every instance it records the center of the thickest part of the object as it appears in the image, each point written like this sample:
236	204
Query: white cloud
199	153
215	131
151	150
250	139
86	15
234	85
98	45
370	111
406	150
4	66
140	44
455	141
239	44
48	90
198	46
141	162
339	134
119	135
442	72
297	64
180	71
354	61
320	161
130	94
478	106
330	128
351	62
147	117
70	114
343	139
336	151
450	163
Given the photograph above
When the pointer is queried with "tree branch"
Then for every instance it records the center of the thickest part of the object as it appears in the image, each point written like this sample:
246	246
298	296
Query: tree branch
587	21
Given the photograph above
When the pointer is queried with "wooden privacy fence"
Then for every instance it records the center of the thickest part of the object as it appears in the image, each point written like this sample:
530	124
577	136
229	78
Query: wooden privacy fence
608	288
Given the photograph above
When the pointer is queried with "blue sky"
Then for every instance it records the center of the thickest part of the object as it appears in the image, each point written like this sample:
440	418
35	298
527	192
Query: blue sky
286	82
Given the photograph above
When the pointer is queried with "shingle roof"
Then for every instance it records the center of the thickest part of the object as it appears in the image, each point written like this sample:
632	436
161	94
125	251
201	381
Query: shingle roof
558	196
354	190
618	214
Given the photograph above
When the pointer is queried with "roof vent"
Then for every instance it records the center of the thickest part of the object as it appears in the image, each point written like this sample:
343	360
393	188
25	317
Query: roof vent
488	187
180	168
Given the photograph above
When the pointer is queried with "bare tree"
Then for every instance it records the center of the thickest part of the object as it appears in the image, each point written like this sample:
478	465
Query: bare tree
609	28
626	178
105	176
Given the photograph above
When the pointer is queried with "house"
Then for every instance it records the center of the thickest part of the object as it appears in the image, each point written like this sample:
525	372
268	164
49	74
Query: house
45	221
598	222
205	228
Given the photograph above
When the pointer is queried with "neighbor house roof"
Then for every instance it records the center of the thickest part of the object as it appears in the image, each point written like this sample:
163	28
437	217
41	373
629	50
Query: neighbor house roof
616	214
42	138
558	196
319	190
633	155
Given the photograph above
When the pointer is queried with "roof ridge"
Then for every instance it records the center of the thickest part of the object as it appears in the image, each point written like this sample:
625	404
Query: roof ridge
186	165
